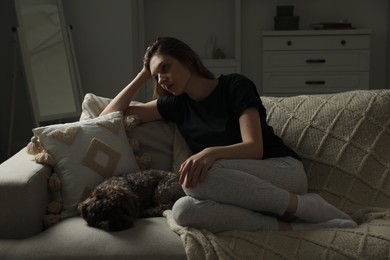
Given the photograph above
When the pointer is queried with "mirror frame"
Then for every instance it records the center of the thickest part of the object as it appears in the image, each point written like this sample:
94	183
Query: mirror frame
70	60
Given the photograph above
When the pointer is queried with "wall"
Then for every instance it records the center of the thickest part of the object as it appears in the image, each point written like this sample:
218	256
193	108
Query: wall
104	41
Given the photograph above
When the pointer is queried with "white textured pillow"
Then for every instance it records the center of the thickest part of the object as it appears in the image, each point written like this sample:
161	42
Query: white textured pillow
156	138
85	153
92	106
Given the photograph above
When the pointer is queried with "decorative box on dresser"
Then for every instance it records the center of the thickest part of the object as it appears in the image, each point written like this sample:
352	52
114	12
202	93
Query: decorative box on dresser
315	61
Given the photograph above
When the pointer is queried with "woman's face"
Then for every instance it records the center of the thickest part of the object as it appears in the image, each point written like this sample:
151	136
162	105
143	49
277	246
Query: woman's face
169	73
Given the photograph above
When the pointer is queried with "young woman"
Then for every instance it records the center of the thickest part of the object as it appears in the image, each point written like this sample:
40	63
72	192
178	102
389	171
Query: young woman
241	175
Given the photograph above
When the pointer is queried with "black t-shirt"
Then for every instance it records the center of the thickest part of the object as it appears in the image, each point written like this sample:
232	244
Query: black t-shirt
214	121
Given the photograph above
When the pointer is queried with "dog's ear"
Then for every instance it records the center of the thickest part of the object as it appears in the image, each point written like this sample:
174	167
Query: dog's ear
82	207
90	210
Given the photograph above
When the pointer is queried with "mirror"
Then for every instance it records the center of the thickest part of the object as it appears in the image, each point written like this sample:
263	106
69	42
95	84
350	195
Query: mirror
49	61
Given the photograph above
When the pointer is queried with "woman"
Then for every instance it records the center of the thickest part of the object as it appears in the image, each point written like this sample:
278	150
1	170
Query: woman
241	175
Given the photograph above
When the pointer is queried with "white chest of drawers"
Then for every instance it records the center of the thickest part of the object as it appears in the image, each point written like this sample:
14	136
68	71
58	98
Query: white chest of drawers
315	62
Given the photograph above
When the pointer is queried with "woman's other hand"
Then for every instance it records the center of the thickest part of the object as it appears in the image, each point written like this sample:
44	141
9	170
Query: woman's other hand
193	170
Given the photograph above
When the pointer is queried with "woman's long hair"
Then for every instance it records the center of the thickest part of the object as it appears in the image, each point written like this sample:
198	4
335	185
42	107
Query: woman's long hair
179	51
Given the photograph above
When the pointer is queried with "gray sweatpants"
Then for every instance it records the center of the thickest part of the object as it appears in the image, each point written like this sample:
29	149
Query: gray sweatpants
236	193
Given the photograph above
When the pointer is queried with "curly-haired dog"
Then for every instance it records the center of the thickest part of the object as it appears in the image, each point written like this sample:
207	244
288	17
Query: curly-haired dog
116	202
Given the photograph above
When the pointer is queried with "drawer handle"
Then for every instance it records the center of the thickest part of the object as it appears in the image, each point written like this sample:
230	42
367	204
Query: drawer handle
343	42
315	82
315	61
289	43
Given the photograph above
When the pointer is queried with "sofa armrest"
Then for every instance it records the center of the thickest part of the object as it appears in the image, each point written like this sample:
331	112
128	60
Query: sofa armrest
23	196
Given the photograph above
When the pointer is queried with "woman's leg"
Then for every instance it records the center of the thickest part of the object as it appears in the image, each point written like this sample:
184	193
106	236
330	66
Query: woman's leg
257	185
284	172
218	217
288	173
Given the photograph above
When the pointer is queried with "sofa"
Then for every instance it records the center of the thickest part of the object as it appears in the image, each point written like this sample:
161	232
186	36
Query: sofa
344	142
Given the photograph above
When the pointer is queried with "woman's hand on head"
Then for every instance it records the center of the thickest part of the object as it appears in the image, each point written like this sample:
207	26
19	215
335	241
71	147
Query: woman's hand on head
145	72
193	170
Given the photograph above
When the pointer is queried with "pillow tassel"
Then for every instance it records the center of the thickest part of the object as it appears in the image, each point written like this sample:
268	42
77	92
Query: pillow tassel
34	146
54	207
144	161
45	158
131	122
134	143
51	219
54	183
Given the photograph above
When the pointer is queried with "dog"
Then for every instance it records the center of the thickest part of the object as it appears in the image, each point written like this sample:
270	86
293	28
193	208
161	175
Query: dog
115	203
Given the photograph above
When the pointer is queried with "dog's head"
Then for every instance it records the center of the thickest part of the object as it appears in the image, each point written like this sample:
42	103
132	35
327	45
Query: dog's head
111	208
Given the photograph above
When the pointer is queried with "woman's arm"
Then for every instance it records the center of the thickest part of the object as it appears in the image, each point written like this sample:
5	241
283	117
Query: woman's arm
144	112
251	147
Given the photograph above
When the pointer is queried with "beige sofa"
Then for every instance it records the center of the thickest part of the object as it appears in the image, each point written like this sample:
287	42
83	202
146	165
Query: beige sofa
344	140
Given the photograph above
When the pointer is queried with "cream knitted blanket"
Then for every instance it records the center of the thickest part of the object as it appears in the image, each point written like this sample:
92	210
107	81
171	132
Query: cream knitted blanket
344	141
371	240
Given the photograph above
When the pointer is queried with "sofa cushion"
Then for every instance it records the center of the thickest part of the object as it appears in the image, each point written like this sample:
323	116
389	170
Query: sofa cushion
85	153
72	239
344	142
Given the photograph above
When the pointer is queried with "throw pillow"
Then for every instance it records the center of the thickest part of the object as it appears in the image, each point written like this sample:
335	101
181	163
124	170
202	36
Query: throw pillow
84	153
155	138
92	106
